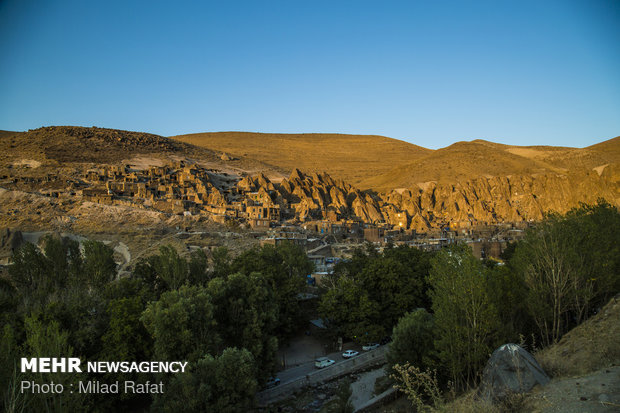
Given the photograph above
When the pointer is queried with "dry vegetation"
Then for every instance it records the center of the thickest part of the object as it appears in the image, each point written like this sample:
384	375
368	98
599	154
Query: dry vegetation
349	157
383	164
588	347
65	146
468	160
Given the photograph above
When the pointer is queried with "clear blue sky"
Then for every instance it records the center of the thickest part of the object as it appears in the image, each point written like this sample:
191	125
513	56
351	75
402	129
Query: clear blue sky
431	73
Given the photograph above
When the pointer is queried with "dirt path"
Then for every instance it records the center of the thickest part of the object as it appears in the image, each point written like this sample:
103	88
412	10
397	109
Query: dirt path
594	393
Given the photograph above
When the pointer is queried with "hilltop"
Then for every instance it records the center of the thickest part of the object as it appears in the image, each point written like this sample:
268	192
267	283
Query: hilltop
384	164
471	160
373	179
352	158
70	146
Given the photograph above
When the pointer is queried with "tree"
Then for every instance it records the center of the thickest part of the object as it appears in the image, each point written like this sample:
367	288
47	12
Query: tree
246	315
182	324
350	308
548	267
284	268
126	337
170	267
28	272
99	267
372	291
508	293
198	266
13	400
221	262
466	322
569	263
412	340
215	384
421	387
48	340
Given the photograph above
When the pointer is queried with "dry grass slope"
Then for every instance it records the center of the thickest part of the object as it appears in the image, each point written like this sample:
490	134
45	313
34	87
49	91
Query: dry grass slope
469	160
588	347
60	146
349	157
78	144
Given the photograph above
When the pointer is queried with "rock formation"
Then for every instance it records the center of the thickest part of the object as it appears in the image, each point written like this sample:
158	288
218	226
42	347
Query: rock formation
510	370
482	201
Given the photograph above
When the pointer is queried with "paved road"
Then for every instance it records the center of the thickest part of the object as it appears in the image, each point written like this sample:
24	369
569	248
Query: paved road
306	375
294	373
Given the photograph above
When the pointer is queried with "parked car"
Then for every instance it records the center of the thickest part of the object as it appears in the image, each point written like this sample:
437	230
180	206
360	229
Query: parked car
370	346
323	362
273	382
350	353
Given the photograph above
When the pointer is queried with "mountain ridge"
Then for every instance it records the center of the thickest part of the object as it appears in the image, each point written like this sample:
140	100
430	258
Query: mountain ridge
378	165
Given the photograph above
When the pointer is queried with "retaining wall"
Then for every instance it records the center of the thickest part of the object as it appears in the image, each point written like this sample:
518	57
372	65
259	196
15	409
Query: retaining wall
359	362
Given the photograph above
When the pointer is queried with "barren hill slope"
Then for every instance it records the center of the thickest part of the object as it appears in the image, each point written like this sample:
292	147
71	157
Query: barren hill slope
349	157
471	160
62	145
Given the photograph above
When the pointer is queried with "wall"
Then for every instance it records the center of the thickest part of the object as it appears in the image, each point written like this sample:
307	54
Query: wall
362	361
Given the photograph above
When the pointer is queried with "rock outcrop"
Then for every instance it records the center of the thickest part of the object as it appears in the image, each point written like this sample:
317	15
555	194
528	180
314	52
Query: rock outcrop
511	369
10	241
429	205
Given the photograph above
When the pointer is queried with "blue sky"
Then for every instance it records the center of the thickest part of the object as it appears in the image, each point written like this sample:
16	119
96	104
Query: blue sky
431	73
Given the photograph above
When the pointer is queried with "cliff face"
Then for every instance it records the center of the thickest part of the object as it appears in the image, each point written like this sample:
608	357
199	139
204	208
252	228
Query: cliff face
431	205
501	199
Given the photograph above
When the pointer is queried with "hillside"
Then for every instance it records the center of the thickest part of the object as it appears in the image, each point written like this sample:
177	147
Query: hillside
349	157
384	164
55	146
471	160
463	185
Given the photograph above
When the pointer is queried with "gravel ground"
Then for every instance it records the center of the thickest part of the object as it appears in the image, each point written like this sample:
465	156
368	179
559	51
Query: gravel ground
598	392
363	388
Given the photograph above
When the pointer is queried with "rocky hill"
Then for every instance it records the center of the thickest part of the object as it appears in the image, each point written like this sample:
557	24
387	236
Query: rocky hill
367	178
66	146
78	144
433	205
465	183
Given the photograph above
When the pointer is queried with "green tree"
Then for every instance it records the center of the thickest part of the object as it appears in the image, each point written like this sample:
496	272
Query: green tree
284	268
246	316
215	384
352	311
372	291
99	267
13	400
412	340
570	264
28	272
170	267
508	293
466	322
48	340
182	324
221	262
126	337
198	268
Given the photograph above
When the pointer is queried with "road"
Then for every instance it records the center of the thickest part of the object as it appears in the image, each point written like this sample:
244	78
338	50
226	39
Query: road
299	371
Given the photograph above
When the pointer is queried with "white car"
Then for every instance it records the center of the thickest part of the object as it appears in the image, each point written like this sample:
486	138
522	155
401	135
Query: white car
350	353
370	346
323	362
